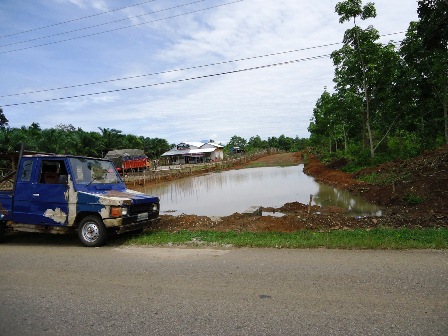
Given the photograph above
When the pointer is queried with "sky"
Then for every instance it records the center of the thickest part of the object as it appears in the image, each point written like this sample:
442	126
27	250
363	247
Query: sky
178	70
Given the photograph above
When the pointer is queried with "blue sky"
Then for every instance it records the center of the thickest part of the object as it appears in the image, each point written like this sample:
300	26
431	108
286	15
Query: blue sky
148	43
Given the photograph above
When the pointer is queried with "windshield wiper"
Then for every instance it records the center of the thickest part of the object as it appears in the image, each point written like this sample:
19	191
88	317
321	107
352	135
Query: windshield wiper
94	179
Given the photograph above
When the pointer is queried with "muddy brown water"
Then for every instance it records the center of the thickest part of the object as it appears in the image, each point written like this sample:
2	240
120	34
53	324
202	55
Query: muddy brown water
224	193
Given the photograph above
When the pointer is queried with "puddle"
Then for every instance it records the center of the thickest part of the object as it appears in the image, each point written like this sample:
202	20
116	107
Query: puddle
330	196
224	193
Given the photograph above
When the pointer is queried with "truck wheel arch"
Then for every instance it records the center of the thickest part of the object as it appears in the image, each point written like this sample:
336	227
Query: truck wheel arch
83	214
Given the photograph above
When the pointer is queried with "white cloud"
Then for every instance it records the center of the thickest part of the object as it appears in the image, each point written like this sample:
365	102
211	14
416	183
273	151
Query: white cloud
266	102
96	4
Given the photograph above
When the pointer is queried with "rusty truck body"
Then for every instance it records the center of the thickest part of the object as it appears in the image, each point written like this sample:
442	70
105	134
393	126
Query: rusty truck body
63	194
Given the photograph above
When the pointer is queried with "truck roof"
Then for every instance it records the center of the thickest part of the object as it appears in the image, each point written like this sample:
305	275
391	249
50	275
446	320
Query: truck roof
61	156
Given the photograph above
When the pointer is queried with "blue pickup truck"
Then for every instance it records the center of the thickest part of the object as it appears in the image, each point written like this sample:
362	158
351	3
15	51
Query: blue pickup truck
62	194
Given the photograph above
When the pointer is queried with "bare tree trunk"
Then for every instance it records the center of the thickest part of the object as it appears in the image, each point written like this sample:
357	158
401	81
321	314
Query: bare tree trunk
345	139
369	131
366	116
422	131
364	133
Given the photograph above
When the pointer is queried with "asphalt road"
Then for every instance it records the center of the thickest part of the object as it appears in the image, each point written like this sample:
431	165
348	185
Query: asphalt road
73	290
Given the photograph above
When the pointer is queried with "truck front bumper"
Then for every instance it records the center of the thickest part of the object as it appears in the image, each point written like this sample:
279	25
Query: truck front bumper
131	223
136	226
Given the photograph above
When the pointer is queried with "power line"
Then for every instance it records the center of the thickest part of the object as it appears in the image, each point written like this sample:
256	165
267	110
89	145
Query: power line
171	71
101	24
183	69
121	28
73	20
193	78
172	81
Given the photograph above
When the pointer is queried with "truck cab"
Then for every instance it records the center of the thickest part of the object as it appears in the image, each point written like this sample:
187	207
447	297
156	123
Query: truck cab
63	193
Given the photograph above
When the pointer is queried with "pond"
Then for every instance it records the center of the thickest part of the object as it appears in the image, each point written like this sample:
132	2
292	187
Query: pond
224	193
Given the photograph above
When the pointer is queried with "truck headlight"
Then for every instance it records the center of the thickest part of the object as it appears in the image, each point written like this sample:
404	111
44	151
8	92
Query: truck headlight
124	211
117	211
155	207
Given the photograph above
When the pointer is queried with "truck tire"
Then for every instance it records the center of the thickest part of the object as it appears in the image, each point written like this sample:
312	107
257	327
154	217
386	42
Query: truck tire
92	232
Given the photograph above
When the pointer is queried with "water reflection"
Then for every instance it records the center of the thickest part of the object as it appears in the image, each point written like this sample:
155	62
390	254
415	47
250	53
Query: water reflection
224	193
330	196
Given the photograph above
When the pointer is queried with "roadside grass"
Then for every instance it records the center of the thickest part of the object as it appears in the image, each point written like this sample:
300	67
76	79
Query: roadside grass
378	238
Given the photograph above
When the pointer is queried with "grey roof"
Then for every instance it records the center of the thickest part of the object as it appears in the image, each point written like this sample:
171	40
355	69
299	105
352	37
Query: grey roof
173	152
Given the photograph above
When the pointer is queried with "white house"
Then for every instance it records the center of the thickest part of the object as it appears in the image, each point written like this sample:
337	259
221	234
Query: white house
194	152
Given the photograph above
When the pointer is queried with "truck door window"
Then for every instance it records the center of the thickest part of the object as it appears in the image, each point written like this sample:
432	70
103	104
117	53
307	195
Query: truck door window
53	172
26	172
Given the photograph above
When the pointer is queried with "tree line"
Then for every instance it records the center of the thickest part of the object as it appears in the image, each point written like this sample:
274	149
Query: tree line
255	143
389	100
67	139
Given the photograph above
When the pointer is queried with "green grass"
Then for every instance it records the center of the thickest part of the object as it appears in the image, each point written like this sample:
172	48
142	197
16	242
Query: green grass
412	199
385	178
380	238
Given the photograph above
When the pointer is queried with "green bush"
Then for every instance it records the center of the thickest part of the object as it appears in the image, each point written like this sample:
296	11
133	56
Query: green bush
413	199
404	145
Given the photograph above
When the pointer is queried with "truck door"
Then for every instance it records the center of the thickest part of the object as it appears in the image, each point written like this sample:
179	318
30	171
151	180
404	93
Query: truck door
44	198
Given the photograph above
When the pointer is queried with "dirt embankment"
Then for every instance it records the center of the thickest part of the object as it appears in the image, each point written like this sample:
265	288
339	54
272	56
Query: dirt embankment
412	193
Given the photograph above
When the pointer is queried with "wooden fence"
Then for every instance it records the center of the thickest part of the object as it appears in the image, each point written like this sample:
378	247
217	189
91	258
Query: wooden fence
169	172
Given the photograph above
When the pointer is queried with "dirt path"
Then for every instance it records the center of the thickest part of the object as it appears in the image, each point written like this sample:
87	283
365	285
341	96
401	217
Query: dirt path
412	193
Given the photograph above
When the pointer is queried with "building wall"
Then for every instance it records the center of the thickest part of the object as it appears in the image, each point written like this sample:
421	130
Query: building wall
175	160
218	154
210	152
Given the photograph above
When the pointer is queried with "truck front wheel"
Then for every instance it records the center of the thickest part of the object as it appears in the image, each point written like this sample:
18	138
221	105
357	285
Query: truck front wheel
92	232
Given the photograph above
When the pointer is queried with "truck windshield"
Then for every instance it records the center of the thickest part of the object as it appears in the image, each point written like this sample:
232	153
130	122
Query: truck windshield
92	171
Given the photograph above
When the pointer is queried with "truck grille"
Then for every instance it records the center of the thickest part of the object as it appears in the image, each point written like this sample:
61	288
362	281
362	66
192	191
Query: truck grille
135	209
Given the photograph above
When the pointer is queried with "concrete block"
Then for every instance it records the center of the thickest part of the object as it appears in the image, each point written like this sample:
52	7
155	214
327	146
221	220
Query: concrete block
254	210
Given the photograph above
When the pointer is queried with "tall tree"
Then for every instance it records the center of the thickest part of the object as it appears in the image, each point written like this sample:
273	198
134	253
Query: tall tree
236	141
255	143
353	61
416	94
366	68
3	120
112	139
154	147
132	141
433	30
321	124
88	143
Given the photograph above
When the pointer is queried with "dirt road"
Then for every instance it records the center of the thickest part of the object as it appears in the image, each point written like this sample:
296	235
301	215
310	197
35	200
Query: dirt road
71	290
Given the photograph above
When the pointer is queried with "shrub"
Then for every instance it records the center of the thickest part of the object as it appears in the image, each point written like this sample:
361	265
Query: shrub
412	199
404	145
